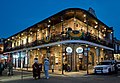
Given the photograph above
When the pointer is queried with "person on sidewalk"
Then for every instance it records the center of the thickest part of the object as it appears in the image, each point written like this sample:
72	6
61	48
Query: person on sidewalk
10	68
39	71
52	67
1	68
35	67
46	67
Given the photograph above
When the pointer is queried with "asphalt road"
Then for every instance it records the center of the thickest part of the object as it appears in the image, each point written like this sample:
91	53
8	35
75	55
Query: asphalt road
114	78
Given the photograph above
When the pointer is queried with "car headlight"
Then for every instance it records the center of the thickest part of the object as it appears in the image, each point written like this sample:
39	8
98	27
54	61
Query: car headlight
104	67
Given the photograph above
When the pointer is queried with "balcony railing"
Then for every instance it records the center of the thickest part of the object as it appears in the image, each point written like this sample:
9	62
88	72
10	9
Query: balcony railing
71	35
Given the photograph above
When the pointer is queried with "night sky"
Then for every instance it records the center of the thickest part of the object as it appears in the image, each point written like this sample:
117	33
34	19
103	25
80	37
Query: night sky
17	15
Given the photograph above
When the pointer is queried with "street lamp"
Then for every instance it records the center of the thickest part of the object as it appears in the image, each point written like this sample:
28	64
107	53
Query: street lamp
62	60
87	58
62	40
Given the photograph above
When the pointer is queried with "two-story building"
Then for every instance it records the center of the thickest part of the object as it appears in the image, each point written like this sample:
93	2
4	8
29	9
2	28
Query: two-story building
73	36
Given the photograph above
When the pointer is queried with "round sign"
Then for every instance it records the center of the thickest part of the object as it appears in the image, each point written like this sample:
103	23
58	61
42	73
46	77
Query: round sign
79	50
69	50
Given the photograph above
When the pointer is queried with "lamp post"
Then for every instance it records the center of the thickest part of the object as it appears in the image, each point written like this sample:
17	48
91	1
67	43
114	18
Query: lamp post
62	60
27	58
87	61
87	58
62	51
62	40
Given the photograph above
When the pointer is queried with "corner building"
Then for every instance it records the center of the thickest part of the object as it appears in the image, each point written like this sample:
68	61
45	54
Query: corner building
73	36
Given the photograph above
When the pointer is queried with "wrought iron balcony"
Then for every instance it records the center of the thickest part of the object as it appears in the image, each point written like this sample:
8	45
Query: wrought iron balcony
69	35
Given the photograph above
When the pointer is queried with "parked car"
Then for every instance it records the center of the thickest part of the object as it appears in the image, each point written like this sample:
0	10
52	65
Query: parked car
107	66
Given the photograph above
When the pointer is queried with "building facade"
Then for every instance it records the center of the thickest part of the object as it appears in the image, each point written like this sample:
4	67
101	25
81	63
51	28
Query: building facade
116	49
73	36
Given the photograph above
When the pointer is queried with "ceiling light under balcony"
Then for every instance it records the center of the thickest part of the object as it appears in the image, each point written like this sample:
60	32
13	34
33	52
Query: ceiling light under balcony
48	25
38	30
103	30
12	37
96	26
104	35
102	49
74	19
61	19
63	53
84	20
86	45
95	47
84	15
96	22
49	21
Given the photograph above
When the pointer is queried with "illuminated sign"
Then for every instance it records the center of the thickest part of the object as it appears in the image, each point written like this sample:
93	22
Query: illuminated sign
79	50
69	50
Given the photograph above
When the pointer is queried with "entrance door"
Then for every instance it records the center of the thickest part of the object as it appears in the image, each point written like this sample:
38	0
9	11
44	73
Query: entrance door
79	60
67	61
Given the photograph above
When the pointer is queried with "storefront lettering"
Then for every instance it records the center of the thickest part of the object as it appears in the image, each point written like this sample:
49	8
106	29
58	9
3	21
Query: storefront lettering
79	50
69	50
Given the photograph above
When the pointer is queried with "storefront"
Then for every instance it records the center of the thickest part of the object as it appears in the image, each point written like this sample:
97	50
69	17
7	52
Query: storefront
76	56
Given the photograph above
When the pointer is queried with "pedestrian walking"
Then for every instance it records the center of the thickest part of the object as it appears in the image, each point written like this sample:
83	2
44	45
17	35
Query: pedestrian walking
35	67
40	70
46	68
115	66
5	65
66	67
52	67
1	68
10	68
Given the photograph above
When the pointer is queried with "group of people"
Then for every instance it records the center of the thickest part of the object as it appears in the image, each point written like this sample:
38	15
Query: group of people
66	67
37	68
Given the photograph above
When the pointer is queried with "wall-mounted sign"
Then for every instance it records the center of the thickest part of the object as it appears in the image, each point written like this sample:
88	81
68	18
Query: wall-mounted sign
79	50
69	50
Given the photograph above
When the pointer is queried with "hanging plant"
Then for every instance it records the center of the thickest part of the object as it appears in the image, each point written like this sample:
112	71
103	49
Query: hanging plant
47	39
75	34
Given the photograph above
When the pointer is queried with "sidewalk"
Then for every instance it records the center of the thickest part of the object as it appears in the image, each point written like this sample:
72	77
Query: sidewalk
70	74
19	75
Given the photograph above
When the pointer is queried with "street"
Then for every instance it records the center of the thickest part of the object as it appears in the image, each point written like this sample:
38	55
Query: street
69	79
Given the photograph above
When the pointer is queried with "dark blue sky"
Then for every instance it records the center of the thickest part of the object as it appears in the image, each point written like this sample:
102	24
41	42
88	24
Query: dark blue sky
17	15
